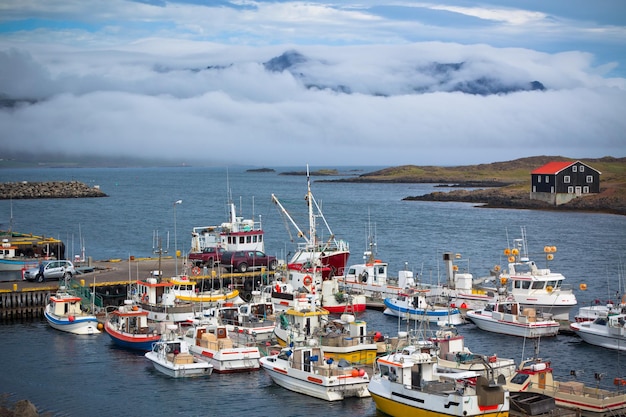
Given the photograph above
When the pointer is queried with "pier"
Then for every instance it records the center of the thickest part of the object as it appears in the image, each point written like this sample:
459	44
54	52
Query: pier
111	279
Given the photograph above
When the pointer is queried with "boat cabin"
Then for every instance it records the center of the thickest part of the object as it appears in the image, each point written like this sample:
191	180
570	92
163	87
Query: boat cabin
66	305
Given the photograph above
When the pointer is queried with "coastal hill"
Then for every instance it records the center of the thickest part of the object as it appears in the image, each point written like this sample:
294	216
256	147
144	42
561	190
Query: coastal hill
507	184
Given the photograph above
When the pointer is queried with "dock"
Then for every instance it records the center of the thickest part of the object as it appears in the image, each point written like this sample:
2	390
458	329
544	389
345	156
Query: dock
110	280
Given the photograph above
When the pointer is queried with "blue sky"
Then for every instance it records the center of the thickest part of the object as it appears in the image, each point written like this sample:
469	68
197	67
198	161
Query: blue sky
109	77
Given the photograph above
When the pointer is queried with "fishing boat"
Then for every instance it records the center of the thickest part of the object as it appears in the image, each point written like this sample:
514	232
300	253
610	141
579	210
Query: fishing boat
255	319
293	287
331	254
339	299
155	296
593	311
507	317
607	330
171	356
343	338
410	382
461	288
371	279
534	287
535	375
412	304
186	290
236	234
64	312
213	344
20	251
307	370
129	327
452	353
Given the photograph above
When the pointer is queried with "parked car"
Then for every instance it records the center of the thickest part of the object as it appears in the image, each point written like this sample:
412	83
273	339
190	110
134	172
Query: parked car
210	256
243	260
50	270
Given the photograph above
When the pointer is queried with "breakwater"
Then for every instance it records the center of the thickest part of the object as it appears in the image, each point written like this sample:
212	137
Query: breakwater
48	189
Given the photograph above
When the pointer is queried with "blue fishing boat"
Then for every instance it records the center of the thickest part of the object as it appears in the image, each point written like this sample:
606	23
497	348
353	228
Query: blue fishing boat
412	304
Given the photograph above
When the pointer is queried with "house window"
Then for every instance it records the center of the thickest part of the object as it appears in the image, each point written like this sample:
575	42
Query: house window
589	178
586	189
582	168
547	179
570	189
574	168
566	179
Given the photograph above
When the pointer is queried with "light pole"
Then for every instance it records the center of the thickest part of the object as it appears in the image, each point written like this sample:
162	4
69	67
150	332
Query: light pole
175	245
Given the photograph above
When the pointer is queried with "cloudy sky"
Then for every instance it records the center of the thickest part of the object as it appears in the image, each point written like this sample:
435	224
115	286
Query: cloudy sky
285	83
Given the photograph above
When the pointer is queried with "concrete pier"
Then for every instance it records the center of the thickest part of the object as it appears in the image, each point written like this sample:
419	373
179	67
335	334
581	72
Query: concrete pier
111	279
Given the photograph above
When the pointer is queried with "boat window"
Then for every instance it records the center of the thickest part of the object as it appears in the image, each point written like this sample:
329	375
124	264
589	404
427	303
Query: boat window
519	379
600	321
538	285
381	270
525	285
554	284
384	370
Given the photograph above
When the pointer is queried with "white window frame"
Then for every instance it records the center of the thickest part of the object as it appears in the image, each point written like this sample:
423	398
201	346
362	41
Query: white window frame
582	168
566	179
589	179
574	168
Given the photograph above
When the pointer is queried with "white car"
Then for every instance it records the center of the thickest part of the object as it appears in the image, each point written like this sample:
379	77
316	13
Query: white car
50	270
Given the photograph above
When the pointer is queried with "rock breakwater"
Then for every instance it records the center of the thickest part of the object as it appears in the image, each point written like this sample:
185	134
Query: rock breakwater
48	189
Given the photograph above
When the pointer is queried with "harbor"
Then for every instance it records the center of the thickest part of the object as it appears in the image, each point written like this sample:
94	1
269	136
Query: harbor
118	254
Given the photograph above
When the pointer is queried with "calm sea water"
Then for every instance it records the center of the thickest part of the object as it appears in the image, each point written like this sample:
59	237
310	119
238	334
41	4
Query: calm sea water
80	376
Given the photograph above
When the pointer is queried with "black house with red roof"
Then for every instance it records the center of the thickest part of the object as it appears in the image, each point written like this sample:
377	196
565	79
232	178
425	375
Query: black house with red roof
559	182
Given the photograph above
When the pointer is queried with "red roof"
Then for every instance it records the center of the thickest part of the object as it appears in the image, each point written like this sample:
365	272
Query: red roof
552	167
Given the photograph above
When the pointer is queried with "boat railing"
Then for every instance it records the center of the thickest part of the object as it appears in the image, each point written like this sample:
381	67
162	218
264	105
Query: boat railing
598	391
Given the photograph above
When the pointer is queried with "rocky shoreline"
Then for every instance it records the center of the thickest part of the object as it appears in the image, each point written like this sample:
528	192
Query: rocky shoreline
48	189
520	199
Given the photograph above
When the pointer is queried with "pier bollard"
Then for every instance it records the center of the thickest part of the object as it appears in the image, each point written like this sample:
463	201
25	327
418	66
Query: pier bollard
82	282
14	287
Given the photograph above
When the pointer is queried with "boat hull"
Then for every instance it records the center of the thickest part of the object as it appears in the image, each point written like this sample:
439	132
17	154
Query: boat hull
448	316
170	369
76	325
603	338
529	330
408	402
17	265
141	342
318	386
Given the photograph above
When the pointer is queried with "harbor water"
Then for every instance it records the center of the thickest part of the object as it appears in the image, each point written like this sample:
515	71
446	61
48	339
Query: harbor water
85	375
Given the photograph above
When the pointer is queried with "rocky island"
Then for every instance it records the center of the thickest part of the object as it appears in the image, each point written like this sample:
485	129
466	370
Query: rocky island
48	189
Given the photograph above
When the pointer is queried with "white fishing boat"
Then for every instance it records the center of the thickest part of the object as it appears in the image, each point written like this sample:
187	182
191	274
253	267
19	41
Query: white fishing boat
307	370
155	296
607	330
171	356
535	287
213	344
413	304
452	353
507	317
331	254
371	279
461	289
64	312
255	319
237	233
339	299
410	382
344	338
